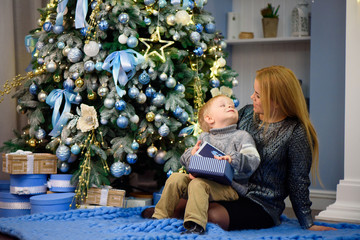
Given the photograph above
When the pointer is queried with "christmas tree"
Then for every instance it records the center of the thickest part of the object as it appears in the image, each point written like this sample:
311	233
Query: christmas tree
114	86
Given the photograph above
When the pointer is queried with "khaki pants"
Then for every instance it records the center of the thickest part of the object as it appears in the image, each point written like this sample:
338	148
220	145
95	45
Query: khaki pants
198	191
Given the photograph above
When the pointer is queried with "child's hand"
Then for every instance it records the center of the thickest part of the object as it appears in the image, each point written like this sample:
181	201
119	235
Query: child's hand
227	158
196	147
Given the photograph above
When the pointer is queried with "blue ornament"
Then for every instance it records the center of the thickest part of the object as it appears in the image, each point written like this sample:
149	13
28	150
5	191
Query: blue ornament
147	21
178	111
75	75
64	167
93	5
152	151
164	130
98	66
123	18
58	29
72	158
127	169
214	82
40	61
47	26
74	55
89	66
78	98
122	122
184	117
33	89
158	99
149	92
83	31
210	28
39	45
132	42
170	82
169	173
103	121
69	84
180	88
40	134
199	28
236	102
117	169
61	45
199	51
144	78
120	105
195	37
103	25
131	158
162	3
75	149
63	152
190	4
134	145
149	2
133	92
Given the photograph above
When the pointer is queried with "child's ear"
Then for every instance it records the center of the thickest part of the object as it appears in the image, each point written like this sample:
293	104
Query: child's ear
208	119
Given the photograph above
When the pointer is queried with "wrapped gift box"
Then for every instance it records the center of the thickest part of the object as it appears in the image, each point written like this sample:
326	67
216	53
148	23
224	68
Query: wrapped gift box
105	197
29	163
12	205
28	184
61	183
137	202
5	186
210	168
53	202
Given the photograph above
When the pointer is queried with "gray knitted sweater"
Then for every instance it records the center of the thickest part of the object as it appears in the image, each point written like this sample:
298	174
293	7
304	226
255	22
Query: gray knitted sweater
284	169
239	145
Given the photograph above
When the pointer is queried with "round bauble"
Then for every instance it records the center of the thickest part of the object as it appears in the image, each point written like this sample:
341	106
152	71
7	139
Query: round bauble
40	134
33	89
171	20
133	92
214	82
131	158
149	2
64	167
210	28
195	37
160	157
163	76
79	82
123	39
69	84
135	145
178	111
127	169
74	55
98	66
134	119
164	130
144	78
32	142
149	92
58	29
182	17
102	91
60	45
184	117
234	82
63	152
152	151
170	82
91	48
141	98
89	66
92	95
158	99
40	61
122	122
236	102
221	62
176	36
180	88
103	121
103	25
47	26
150	116
42	96
109	103
75	149
75	75
117	169
147	21
66	51
120	105
51	67
78	98
132	42
123	18
199	27
158	118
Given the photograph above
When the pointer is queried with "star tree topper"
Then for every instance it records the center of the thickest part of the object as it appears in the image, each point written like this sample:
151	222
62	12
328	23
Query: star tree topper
155	37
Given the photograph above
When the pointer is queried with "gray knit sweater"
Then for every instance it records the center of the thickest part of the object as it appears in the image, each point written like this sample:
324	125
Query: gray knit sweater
239	145
284	169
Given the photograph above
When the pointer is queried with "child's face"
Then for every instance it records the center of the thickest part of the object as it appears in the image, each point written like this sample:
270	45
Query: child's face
223	112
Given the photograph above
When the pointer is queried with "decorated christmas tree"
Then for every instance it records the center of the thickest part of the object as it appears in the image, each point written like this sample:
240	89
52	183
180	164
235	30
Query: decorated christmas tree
114	86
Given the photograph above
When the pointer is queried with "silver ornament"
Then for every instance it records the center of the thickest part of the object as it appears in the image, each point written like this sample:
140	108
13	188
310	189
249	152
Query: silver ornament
102	91
51	66
164	130
235	82
78	98
74	55
40	134
160	157
176	36
158	118
158	100
109	103
170	82
163	76
170	19
42	96
66	51
141	98
195	37
123	39
91	48
135	119
152	151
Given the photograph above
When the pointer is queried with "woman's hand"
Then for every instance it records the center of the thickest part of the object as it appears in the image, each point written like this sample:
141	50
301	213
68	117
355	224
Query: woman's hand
227	158
196	147
321	228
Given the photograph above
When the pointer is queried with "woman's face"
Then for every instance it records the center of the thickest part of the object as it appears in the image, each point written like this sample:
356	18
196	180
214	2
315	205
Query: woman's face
256	98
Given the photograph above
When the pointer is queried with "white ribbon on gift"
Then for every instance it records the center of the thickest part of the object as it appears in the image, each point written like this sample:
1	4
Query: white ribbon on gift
28	190
30	160
15	205
104	196
59	184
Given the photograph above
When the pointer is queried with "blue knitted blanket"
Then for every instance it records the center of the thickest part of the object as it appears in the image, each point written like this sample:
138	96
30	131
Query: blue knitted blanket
126	223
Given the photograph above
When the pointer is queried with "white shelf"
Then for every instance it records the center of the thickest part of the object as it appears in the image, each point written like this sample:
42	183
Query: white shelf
267	40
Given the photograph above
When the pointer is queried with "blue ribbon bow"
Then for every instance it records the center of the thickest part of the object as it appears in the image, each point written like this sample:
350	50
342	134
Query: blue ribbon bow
80	13
30	43
60	12
55	100
123	65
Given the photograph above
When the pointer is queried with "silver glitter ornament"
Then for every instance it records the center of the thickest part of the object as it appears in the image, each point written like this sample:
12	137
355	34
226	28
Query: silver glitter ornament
109	103
152	151
74	55
42	96
160	157
102	91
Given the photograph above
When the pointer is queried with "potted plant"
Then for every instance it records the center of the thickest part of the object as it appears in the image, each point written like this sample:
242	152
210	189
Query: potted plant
270	20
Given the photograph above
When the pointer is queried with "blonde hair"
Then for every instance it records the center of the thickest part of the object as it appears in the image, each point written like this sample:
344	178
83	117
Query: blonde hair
204	110
279	85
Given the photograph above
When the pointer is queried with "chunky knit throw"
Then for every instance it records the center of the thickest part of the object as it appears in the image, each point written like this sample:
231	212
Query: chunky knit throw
126	223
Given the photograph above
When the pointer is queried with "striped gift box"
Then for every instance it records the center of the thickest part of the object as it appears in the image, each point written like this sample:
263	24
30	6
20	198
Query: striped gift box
210	168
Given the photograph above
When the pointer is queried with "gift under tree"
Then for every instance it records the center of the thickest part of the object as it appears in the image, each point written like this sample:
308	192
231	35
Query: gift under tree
115	85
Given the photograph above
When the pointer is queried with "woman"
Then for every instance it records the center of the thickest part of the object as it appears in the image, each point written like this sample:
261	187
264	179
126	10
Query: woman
287	143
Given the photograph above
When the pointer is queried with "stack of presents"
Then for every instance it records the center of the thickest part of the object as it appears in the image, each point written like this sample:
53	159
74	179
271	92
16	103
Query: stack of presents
35	187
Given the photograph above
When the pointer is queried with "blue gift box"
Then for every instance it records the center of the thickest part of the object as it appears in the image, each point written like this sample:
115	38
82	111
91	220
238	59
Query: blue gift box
4	185
61	183
28	184
210	168
52	202
12	205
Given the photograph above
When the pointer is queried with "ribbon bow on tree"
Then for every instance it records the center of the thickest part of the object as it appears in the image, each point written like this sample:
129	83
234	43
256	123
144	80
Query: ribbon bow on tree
55	99
123	65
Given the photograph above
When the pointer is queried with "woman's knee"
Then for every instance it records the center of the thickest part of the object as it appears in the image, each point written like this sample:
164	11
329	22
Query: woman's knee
218	214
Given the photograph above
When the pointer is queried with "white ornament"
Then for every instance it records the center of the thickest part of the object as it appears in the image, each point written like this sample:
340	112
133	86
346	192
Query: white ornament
135	119
182	17
123	39
221	62
91	48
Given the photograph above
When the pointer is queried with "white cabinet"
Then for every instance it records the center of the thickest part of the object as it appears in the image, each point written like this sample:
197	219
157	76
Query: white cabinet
249	55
